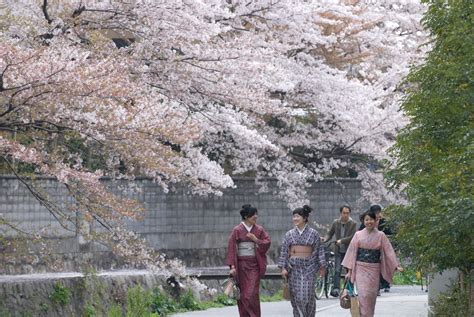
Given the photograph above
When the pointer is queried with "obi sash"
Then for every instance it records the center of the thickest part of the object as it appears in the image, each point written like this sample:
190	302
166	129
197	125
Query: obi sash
245	249
368	255
300	251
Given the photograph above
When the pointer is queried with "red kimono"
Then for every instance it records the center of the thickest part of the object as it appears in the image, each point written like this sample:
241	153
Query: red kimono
249	268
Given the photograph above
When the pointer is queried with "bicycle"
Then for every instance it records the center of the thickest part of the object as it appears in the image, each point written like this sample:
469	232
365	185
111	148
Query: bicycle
324	284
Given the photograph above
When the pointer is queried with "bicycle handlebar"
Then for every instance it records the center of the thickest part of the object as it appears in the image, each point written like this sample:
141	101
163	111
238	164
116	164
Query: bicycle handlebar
328	244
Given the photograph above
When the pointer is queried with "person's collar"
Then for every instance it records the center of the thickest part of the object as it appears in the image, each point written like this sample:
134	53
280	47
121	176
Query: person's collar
301	231
340	220
344	223
247	227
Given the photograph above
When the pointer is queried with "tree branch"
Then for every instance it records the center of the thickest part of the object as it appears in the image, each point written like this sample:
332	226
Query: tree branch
44	7
9	109
54	210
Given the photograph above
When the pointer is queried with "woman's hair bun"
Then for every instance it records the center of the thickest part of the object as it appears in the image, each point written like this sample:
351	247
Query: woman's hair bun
307	209
247	211
303	211
246	207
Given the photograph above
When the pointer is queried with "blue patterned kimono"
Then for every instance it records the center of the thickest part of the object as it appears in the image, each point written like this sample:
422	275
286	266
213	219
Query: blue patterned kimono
302	271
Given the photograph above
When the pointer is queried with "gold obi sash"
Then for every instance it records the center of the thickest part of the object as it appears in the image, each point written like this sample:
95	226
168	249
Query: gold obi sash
245	249
300	251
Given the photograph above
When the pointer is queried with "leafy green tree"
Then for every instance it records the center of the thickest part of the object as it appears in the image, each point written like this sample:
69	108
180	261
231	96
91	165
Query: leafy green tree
433	153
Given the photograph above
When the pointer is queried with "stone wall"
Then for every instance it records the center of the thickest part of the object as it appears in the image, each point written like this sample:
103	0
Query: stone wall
68	294
193	228
93	294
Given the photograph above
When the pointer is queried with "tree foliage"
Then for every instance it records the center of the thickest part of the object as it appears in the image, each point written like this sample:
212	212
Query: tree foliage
434	152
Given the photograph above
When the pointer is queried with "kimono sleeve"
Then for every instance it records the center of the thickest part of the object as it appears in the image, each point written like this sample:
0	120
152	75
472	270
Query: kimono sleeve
231	258
389	260
318	255
263	242
283	260
351	253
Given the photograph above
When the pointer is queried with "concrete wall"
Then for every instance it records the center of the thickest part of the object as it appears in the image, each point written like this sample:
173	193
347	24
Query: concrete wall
191	227
440	283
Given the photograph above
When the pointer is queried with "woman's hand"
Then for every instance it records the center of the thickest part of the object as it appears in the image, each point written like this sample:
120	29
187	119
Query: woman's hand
322	272
400	269
348	275
233	271
252	237
284	274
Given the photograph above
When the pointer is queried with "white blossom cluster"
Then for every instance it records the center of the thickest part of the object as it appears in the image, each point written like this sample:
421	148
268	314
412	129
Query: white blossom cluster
200	91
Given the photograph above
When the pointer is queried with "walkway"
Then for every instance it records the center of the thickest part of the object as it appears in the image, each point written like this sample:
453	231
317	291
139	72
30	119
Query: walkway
402	301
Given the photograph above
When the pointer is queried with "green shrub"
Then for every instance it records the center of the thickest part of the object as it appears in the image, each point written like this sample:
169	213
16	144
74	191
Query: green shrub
60	295
44	307
188	302
142	303
92	289
407	277
162	304
225	300
454	303
3	311
138	302
115	311
89	311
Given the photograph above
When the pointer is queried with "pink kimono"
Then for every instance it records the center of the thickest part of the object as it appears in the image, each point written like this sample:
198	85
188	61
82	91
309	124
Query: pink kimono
249	268
366	274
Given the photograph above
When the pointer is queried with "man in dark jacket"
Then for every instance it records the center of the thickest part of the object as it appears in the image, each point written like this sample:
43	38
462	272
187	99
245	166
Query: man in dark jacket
382	224
343	229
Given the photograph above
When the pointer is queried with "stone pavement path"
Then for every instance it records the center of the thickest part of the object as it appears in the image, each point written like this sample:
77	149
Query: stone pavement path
402	301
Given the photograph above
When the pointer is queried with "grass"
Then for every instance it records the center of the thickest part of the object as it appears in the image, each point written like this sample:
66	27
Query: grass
278	296
142	303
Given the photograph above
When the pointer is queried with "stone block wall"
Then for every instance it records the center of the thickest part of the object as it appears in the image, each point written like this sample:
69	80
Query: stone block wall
193	228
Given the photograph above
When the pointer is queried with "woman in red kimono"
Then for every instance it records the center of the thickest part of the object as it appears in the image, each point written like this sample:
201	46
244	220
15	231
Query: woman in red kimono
369	255
246	257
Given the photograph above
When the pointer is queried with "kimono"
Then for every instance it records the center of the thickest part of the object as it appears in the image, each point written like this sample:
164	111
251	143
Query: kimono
370	255
249	268
302	271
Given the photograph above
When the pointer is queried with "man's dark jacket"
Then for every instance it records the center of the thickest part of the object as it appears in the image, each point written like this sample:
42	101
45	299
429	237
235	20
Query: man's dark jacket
350	230
382	227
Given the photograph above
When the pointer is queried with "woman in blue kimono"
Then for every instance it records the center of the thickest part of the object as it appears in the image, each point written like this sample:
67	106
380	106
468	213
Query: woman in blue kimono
301	258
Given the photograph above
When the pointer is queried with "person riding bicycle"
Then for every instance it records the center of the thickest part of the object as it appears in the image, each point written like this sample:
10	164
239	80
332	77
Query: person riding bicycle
344	229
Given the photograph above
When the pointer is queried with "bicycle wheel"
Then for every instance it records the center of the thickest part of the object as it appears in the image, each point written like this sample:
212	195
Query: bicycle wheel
329	280
319	287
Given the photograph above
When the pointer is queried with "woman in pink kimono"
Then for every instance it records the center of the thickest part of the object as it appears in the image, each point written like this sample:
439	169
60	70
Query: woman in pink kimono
246	257
369	255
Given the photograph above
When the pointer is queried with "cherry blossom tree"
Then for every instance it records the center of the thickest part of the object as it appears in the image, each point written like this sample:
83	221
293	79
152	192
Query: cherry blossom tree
195	92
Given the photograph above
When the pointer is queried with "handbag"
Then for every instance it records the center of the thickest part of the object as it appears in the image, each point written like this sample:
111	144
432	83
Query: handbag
231	289
345	297
354	300
355	306
286	290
